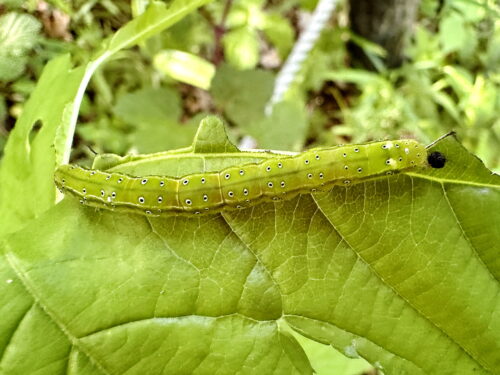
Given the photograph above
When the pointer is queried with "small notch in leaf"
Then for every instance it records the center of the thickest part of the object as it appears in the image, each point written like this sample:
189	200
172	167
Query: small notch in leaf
436	159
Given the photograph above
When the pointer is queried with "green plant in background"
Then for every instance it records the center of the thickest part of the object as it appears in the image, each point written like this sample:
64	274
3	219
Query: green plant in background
450	82
18	35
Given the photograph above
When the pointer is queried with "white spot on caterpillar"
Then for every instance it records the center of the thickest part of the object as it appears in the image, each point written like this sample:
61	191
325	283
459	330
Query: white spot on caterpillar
189	202
102	193
282	184
84	191
92	173
144	181
344	155
113	194
242	172
306	161
407	150
268	168
356	149
317	157
346	167
120	180
230	193
309	175
141	200
347	182
162	183
397	145
148	212
160	199
245	191
203	180
270	184
205	197
321	175
227	176
185	182
108	177
280	165
360	170
390	162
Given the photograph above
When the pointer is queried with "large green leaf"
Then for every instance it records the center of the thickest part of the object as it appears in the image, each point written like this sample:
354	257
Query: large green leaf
402	271
44	132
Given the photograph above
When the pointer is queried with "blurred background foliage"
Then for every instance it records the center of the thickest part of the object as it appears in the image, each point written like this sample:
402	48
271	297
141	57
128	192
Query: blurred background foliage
223	59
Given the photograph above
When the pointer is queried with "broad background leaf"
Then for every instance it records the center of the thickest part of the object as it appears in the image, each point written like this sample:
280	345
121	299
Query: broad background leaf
374	270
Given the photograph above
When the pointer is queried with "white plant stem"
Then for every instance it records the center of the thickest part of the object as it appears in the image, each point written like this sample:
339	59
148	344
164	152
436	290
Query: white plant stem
301	49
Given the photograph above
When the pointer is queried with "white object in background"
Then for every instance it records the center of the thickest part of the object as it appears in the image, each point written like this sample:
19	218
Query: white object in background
300	50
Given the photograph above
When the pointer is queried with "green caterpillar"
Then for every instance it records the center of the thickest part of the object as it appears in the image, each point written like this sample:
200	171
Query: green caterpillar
240	186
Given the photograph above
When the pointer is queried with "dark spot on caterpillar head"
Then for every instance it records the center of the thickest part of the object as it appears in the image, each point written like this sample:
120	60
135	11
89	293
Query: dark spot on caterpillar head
436	159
